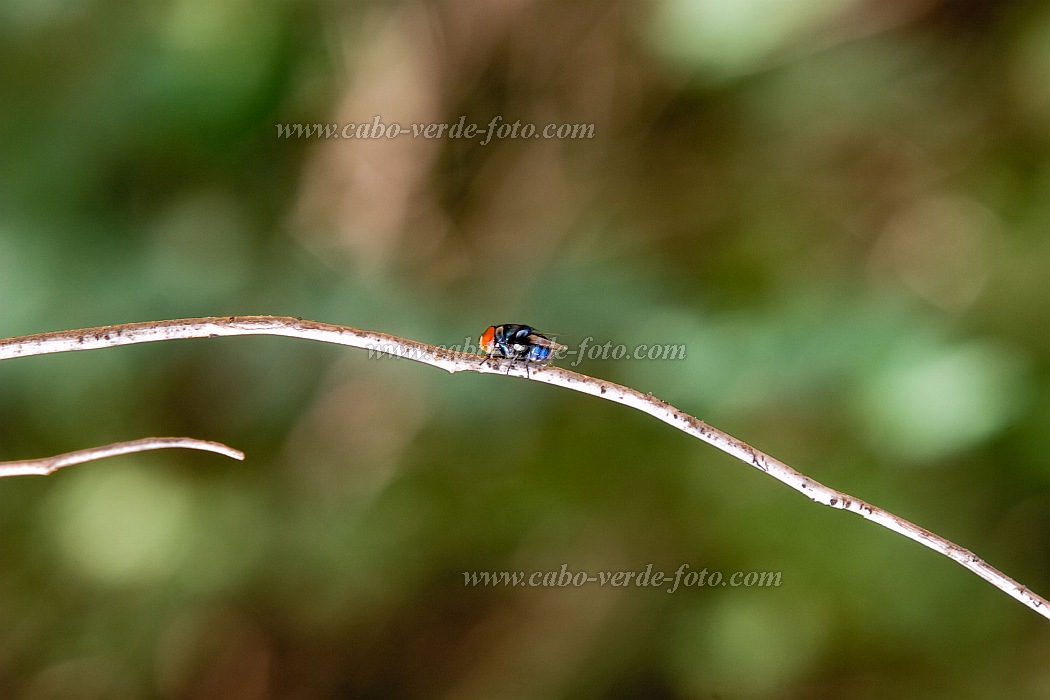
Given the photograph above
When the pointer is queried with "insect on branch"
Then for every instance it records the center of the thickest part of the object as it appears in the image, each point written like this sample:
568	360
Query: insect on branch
452	361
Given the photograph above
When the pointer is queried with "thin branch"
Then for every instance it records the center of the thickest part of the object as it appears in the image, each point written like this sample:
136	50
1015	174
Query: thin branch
49	465
109	336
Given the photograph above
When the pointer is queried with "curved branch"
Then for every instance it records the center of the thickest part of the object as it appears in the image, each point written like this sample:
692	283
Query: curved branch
48	465
381	343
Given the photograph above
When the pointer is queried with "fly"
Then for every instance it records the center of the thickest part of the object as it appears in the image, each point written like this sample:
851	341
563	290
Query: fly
519	342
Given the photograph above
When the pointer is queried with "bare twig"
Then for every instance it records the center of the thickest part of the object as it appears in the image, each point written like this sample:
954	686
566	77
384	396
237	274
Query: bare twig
108	336
49	465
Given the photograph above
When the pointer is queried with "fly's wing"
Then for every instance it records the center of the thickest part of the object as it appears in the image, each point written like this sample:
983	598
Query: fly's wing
545	342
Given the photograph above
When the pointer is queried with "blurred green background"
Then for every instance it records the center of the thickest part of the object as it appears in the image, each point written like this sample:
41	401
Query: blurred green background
840	207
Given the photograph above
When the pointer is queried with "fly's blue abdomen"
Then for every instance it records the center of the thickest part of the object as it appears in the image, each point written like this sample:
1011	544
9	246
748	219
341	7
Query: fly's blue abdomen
538	354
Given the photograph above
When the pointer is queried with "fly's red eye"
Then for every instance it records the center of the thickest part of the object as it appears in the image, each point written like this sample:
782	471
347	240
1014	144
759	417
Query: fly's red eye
488	339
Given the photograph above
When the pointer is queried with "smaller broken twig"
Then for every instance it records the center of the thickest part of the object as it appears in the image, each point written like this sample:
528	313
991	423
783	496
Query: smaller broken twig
48	465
